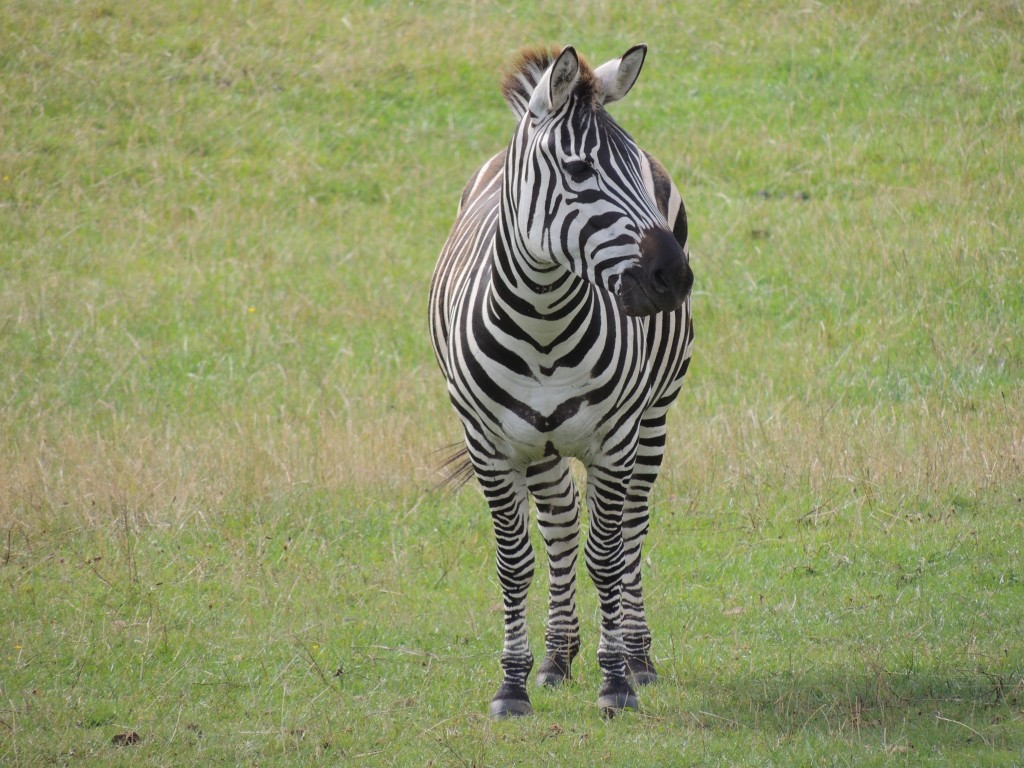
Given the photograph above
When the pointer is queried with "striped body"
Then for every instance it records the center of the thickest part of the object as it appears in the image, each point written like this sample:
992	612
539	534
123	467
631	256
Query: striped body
560	317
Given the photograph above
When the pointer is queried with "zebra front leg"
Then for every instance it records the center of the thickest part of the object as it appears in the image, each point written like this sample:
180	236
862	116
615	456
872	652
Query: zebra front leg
635	522
506	495
558	515
606	563
636	634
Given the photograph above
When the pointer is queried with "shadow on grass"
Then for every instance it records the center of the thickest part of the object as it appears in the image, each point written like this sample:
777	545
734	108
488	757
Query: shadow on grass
948	708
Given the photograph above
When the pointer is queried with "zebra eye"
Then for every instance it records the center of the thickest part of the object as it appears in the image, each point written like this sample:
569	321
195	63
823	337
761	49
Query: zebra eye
580	170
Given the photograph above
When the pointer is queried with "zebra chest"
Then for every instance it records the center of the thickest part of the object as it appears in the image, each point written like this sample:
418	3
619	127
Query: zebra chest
569	411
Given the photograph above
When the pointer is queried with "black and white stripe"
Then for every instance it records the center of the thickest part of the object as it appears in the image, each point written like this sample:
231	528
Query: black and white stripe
560	317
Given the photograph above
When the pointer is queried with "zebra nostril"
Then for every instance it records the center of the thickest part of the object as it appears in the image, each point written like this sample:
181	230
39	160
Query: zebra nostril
659	281
666	264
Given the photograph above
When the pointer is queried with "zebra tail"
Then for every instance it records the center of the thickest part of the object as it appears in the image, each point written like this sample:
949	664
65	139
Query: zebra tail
455	467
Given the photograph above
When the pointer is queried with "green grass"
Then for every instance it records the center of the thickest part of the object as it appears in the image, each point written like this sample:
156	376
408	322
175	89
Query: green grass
220	412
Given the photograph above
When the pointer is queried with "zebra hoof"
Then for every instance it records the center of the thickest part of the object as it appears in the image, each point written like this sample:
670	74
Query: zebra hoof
554	670
640	671
510	701
616	696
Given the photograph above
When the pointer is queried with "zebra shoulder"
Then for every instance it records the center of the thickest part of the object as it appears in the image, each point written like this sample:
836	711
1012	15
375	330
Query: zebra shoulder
486	175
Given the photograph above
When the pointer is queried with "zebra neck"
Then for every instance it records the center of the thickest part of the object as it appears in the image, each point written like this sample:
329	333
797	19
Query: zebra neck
542	303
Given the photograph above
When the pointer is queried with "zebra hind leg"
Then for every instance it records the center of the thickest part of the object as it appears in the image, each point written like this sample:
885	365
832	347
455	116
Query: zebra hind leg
558	515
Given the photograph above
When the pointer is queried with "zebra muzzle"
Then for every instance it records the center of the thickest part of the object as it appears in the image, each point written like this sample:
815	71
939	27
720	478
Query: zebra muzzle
661	281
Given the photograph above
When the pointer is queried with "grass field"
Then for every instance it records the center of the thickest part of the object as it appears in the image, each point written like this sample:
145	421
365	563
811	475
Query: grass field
219	527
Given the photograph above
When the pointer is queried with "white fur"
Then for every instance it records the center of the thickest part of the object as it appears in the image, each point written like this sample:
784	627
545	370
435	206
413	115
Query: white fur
616	77
556	84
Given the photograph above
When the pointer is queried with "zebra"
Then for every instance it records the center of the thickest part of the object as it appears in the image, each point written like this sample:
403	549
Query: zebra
560	318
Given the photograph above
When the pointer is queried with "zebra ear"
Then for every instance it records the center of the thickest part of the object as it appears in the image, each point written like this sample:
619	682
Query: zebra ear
616	77
556	84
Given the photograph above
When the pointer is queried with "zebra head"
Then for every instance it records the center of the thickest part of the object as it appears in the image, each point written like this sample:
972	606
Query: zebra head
578	190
